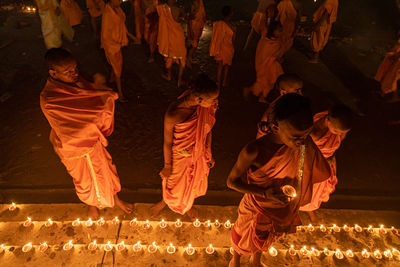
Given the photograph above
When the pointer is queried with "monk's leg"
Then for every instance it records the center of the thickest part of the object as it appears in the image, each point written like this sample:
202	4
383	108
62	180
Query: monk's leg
180	74
235	261
219	74
190	56
168	66
248	39
255	260
93	213
119	87
157	208
127	207
312	216
152	50
225	81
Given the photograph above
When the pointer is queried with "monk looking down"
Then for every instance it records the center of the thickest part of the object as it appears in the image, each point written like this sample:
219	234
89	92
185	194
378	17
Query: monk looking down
171	38
95	8
71	11
81	118
330	128
285	156
196	24
187	147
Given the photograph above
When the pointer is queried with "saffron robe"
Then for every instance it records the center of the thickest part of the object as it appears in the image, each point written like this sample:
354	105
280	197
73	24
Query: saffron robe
151	26
388	72
221	45
190	155
287	15
261	220
196	25
113	37
95	7
80	120
320	37
72	12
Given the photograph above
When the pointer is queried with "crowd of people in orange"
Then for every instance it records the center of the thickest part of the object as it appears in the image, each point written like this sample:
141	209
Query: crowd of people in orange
289	167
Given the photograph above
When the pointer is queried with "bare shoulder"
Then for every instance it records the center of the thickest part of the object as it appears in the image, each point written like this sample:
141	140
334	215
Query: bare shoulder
175	114
251	150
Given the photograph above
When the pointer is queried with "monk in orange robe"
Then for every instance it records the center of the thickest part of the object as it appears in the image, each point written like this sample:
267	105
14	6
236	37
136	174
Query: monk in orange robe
171	38
221	46
187	147
151	26
195	27
268	69
72	12
114	36
388	73
81	118
323	19
289	17
95	8
281	169
330	128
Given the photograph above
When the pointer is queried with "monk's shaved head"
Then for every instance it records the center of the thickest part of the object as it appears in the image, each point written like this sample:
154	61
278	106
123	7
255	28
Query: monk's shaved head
58	57
343	115
289	78
203	85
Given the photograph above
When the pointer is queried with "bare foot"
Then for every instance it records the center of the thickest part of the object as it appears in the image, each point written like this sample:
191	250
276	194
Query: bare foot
256	263
312	216
125	206
193	213
93	213
166	77
234	263
157	208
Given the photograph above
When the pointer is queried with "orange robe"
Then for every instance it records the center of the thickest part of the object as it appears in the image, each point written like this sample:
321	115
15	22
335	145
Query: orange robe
72	12
287	15
113	37
320	37
196	25
95	7
189	178
80	120
268	69
327	144
221	45
151	26
258	21
388	72
261	221
171	38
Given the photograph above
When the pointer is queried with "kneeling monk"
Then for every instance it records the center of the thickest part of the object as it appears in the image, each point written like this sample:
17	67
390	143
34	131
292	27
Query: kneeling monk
187	147
285	160
80	118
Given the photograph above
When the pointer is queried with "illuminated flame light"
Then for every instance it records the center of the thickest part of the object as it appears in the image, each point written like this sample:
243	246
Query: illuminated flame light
377	254
349	253
43	247
327	252
152	248
178	223
217	224
232	251
133	222
101	222
304	251
395	252
12	207
163	224
48	223
92	245
89	223
346	228
115	221
197	223
190	250
370	229
292	251
336	228
137	247
68	245
207	223
322	228
339	254
108	246
388	254
358	228
273	252
147	225
76	223
171	249
382	230
27	247
28	222
210	249
315	252
310	228
394	230
365	253
2	247
227	224
120	246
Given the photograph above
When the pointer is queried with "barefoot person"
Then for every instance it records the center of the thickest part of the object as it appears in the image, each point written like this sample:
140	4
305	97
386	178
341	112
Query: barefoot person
81	118
221	45
187	147
171	38
95	8
288	157
323	19
151	26
196	24
114	36
289	17
72	12
330	128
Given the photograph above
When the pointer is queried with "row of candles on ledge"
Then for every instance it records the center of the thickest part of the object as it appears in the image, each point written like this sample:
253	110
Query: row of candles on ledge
346	228
190	250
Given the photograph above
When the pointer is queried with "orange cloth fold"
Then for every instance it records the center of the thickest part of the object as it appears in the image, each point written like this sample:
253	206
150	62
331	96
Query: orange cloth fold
320	37
95	7
221	45
190	155
113	36
72	12
388	72
196	25
287	15
80	120
261	221
258	22
151	26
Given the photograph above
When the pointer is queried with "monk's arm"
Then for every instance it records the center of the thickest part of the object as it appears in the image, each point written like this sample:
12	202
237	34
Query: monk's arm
169	124
209	141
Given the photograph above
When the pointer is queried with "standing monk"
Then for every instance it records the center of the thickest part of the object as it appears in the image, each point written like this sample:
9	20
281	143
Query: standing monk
330	128
289	17
54	25
139	20
323	19
196	23
151	26
71	11
96	8
221	46
81	118
285	158
113	37
187	147
171	38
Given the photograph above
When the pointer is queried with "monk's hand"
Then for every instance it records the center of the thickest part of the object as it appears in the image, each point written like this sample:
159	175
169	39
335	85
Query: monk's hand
166	171
211	163
276	195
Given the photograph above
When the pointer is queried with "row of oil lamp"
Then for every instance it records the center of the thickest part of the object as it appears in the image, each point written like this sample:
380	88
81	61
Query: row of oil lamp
334	228
190	250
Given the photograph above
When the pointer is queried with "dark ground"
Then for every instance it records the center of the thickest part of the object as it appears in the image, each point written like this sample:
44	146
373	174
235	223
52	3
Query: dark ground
368	160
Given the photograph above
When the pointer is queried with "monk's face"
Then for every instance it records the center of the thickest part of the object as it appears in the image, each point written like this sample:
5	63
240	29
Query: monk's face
335	126
115	3
208	100
291	87
291	136
67	72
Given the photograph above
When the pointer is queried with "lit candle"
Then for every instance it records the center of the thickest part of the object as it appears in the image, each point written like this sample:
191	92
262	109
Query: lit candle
152	248
349	253
133	222
89	222
227	224
137	247
289	191
207	223
315	252
365	253
2	247
322	228
27	247
327	252
292	251
178	223
346	228
310	228
43	247
210	249
197	223
33	9
76	223
339	254
101	222
163	224
217	224
377	254
388	254
108	246
394	230
147	225
92	245
358	228
382	230
336	228
370	229
48	223
171	249
115	221
120	246
395	252
304	251
232	251
68	245
28	222
190	250
272	251
12	207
